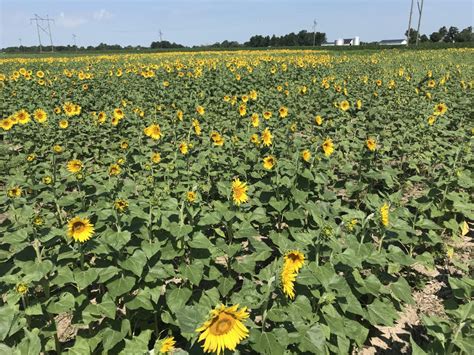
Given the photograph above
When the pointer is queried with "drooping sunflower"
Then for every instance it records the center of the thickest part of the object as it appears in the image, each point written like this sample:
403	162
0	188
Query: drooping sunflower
179	115
217	139
200	110
431	120
243	110
74	166
224	329
267	137
255	120
293	262
371	144
80	229
288	279
359	104
306	155
197	127
101	117
40	115
318	120
328	147
269	162
167	345
183	148
255	139
239	191
47	180
153	131
384	214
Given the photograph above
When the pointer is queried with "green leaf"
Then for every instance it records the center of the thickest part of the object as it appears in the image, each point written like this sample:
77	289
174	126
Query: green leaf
314	340
177	298
381	313
121	285
7	314
135	263
116	240
402	290
193	272
265	343
85	278
65	303
415	349
138	344
225	285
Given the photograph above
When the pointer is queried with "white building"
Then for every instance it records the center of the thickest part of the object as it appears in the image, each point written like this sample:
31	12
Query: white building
393	42
344	42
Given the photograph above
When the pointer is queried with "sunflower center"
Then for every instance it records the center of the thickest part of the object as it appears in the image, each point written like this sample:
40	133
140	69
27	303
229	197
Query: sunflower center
78	227
222	325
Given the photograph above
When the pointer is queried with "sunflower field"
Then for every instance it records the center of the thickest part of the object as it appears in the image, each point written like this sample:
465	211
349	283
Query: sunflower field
254	202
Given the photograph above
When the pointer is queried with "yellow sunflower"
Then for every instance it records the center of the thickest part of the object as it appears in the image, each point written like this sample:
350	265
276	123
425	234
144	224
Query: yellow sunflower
267	137
74	166
63	124
293	262
69	109
80	229
255	120
267	115
22	288
269	162
431	120
242	110
306	155
255	139
155	158
118	114
6	124
344	105
183	148
153	131
239	191
114	170
328	147
120	205
191	196
371	144
440	109
224	329
200	110
14	192
318	120
197	127
40	115
283	111
384	214
23	117
167	345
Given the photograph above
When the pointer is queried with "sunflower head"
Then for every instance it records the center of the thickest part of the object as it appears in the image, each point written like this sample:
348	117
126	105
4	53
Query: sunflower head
269	162
80	229
191	196
267	115
371	144
239	191
22	288
155	158
167	345
115	170
224	329
120	205
14	192
344	105
74	166
306	155
267	137
328	147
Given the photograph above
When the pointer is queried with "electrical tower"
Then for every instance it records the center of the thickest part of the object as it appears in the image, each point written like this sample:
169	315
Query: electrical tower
314	32
43	24
74	39
409	23
161	35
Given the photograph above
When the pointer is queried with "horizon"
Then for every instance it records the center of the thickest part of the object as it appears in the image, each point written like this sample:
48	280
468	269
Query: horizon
138	23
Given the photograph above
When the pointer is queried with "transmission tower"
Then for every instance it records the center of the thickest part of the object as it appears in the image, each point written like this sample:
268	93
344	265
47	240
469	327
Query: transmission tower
43	24
420	12
161	35
74	39
314	32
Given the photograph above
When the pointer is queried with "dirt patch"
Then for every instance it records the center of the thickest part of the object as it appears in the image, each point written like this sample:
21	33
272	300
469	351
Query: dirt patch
66	330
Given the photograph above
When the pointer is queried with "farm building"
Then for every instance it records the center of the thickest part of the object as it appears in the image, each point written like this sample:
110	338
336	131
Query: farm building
344	42
393	42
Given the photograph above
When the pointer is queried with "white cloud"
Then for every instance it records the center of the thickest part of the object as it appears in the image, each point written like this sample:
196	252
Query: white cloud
102	14
69	21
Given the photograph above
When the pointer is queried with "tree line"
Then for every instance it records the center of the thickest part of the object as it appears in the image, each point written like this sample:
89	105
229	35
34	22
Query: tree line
451	35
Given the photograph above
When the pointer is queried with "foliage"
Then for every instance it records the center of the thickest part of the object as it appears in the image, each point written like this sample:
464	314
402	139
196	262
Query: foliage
388	180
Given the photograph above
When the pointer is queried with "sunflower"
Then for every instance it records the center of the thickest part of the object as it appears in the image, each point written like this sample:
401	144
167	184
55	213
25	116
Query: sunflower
153	131
283	112
191	196
254	139
118	113
431	120
6	124
47	180
344	105
80	229
431	83
115	121
328	147
124	145
167	345
31	157
40	115
14	192
179	115
21	288
359	104
371	144
22	117
101	117
114	170
120	205
200	110
74	166
267	137
293	262
239	191
253	95
63	124
267	115
155	158
255	120
384	214
245	98
69	109
440	109
242	110
269	162
38	221
306	155
183	148
318	120
224	329
57	148
197	127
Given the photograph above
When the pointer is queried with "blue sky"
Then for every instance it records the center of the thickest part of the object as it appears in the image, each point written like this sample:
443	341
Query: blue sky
207	21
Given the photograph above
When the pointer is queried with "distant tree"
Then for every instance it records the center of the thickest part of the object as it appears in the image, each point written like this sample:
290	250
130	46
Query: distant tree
412	37
443	31
435	37
465	35
451	35
424	38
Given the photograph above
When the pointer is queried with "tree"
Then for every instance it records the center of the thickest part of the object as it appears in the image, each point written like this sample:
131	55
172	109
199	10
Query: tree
451	35
465	35
424	38
435	37
412	36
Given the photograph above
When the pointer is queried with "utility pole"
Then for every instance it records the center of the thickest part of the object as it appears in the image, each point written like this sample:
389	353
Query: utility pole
74	39
46	29
19	48
409	24
420	12
314	32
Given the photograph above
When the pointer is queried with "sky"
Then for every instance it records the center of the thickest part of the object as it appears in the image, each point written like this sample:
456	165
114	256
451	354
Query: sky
197	22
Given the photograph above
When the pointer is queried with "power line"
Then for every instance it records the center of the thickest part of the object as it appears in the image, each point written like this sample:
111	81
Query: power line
43	24
314	31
